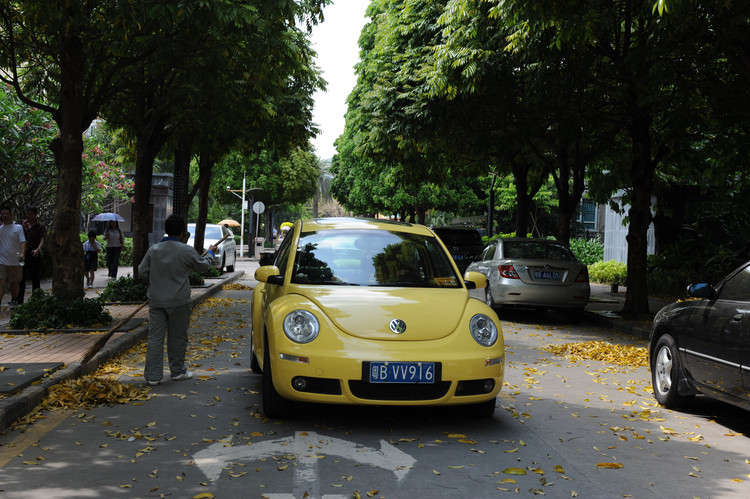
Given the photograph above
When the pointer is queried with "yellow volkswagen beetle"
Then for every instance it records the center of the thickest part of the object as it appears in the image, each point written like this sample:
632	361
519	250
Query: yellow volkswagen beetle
357	311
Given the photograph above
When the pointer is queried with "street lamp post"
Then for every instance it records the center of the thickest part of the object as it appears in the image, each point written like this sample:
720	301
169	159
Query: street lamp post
242	210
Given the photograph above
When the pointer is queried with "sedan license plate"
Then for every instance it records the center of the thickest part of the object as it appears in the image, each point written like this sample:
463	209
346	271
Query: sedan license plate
458	257
547	275
402	372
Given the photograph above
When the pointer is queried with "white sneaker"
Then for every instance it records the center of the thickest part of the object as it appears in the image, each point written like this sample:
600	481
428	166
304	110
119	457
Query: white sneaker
183	376
153	383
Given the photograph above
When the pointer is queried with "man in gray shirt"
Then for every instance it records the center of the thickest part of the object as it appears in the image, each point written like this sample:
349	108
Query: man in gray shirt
166	267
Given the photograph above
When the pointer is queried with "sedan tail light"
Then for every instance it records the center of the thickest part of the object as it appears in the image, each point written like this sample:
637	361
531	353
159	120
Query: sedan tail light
508	272
583	275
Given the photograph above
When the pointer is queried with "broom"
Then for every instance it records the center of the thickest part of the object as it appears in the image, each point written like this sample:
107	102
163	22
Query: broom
104	339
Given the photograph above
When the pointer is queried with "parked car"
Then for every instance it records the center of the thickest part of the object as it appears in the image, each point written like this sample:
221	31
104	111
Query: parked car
372	312
536	273
226	256
464	244
701	345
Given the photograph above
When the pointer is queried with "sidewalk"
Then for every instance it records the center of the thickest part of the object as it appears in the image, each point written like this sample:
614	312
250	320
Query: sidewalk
30	362
29	357
604	309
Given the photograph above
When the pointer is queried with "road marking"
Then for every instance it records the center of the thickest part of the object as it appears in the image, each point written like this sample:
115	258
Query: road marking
31	436
308	446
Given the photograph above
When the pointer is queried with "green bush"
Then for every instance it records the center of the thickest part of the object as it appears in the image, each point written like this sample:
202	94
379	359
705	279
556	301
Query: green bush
611	272
211	272
588	251
196	279
44	311
125	289
677	266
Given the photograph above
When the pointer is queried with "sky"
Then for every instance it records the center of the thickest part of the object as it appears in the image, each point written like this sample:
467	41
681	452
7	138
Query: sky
335	41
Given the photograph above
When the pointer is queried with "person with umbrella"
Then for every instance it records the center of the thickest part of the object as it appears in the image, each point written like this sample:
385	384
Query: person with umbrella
115	240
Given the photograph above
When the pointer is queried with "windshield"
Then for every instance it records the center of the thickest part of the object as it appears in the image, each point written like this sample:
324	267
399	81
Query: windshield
534	250
372	258
211	232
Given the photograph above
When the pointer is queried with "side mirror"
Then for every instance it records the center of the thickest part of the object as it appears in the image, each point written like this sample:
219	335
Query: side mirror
475	280
702	290
269	274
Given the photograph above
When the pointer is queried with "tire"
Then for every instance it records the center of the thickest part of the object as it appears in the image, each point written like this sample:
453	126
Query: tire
274	405
483	410
665	374
488	299
223	261
254	364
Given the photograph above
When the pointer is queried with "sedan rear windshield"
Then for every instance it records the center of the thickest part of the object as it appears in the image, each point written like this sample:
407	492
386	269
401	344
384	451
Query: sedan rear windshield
534	250
372	258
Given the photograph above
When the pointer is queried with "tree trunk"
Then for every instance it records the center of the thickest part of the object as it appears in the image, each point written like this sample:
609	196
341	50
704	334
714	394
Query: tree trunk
182	156
205	165
523	200
150	138
642	173
71	118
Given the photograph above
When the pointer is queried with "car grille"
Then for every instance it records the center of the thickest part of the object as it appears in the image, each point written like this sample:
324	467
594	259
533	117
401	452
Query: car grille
399	391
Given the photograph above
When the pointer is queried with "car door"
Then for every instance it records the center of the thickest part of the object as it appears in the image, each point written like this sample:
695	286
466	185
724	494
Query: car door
483	262
717	335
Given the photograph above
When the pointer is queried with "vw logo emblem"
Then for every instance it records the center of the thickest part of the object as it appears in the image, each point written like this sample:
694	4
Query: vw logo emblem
397	326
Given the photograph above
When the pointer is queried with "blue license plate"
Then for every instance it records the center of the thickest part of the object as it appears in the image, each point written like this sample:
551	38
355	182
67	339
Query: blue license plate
458	257
546	274
402	372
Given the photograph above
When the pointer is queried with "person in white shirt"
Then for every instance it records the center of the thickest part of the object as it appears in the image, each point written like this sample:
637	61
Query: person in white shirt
12	254
166	267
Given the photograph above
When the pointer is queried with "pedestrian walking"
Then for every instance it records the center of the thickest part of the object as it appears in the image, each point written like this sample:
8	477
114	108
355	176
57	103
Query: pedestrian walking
115	240
166	267
35	232
91	250
12	254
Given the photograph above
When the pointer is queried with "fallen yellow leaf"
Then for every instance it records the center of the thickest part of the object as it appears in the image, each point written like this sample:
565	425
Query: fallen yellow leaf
514	471
612	466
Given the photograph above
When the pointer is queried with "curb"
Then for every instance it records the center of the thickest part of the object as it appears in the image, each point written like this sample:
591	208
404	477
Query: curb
23	403
617	325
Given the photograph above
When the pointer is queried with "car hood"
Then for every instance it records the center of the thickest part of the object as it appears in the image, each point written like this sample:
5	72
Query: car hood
366	312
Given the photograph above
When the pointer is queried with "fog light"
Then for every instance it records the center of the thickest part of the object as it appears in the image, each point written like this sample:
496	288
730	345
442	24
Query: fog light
488	385
300	384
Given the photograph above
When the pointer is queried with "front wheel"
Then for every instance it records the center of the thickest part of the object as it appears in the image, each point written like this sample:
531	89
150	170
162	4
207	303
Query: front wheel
665	373
274	405
483	410
488	299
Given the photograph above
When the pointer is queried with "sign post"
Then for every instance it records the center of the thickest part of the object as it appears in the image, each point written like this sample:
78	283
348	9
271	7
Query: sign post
258	208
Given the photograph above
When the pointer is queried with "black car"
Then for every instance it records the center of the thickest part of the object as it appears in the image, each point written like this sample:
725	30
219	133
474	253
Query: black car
701	345
464	244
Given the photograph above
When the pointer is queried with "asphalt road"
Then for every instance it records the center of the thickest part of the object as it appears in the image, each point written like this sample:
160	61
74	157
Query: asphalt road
561	429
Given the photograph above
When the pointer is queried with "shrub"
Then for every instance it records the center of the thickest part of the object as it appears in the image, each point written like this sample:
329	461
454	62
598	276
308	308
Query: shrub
588	251
125	289
211	272
196	279
611	272
44	311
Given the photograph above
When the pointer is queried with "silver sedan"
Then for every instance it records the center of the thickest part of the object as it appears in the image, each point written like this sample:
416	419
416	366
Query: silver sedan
535	273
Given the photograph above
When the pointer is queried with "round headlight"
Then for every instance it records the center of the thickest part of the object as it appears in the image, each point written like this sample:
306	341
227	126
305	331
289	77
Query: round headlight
483	330
301	326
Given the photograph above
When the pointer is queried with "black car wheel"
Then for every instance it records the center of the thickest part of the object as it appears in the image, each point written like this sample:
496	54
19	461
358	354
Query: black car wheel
483	410
274	405
665	373
488	299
